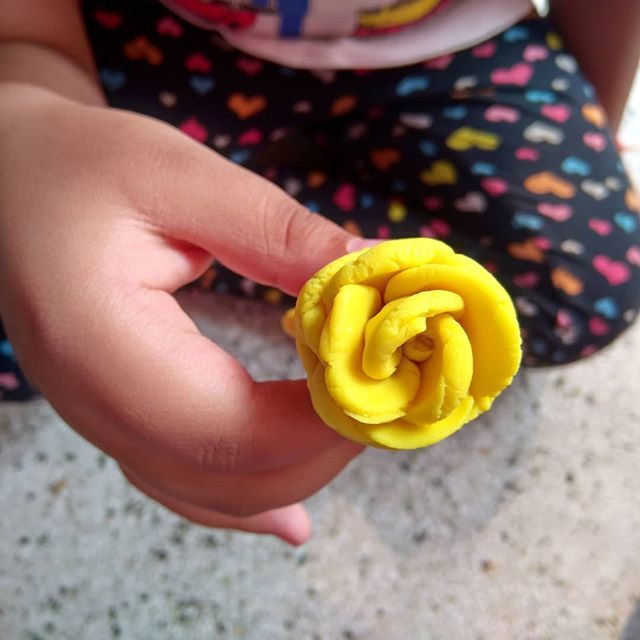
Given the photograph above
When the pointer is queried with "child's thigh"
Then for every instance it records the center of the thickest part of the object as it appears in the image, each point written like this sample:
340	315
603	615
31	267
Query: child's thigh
503	152
152	61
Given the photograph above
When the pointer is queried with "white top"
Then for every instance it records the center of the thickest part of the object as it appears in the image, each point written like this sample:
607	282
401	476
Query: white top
321	34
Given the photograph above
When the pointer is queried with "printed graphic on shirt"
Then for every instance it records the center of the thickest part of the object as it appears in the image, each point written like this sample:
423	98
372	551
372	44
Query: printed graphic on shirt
309	18
224	14
395	17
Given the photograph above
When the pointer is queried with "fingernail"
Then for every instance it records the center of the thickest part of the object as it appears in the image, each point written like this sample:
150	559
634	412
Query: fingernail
357	244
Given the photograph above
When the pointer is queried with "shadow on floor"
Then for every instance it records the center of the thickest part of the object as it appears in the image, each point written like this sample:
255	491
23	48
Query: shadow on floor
631	629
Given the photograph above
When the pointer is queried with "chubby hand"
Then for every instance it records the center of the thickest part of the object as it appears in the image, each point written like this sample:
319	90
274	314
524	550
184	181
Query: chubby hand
103	215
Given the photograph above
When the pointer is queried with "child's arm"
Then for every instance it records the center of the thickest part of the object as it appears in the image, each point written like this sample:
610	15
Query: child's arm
103	215
44	43
605	37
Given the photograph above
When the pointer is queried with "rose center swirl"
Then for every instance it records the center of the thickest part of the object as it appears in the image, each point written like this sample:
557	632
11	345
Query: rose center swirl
399	359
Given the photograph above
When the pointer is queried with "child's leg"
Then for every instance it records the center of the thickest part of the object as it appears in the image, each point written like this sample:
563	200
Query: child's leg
515	167
384	158
13	384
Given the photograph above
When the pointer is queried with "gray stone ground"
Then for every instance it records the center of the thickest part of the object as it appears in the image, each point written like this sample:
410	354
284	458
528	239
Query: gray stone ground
524	526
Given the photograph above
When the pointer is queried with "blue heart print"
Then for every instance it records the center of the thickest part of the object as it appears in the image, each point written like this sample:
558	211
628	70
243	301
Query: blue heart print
457	112
540	96
576	166
559	357
483	169
399	185
626	221
429	148
113	79
6	349
412	84
366	200
312	205
538	346
201	84
523	220
516	34
607	307
240	156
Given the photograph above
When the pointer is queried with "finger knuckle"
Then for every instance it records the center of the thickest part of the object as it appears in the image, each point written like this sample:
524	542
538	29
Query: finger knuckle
226	453
282	224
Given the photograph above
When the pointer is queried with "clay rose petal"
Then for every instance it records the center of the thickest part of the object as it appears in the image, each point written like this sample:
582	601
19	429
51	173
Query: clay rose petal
405	342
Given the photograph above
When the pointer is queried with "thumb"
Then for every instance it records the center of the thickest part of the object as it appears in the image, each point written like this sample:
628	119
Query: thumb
244	221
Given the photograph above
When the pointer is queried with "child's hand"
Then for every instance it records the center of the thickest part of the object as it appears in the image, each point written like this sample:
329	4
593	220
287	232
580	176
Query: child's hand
103	214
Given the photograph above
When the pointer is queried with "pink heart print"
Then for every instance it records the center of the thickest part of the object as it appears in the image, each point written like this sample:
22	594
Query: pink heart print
270	173
519	74
169	27
600	226
441	227
436	229
345	197
384	232
535	52
194	129
542	243
433	203
495	186
526	280
440	63
557	212
563	319
594	140
527	153
108	19
198	63
500	113
484	50
590	349
251	136
556	112
633	255
614	271
8	381
250	66
598	327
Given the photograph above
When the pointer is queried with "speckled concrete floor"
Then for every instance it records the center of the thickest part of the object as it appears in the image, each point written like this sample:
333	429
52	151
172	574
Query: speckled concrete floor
524	526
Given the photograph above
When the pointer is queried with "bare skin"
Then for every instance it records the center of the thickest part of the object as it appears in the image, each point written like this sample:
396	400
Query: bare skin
90	255
605	37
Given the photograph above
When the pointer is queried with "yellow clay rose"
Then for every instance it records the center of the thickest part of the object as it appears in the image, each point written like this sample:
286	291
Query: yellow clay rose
405	342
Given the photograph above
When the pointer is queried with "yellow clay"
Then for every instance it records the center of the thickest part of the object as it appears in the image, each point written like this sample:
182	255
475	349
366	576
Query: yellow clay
405	342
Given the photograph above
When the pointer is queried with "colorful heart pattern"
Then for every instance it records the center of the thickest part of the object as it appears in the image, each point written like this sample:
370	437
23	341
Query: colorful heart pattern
501	150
